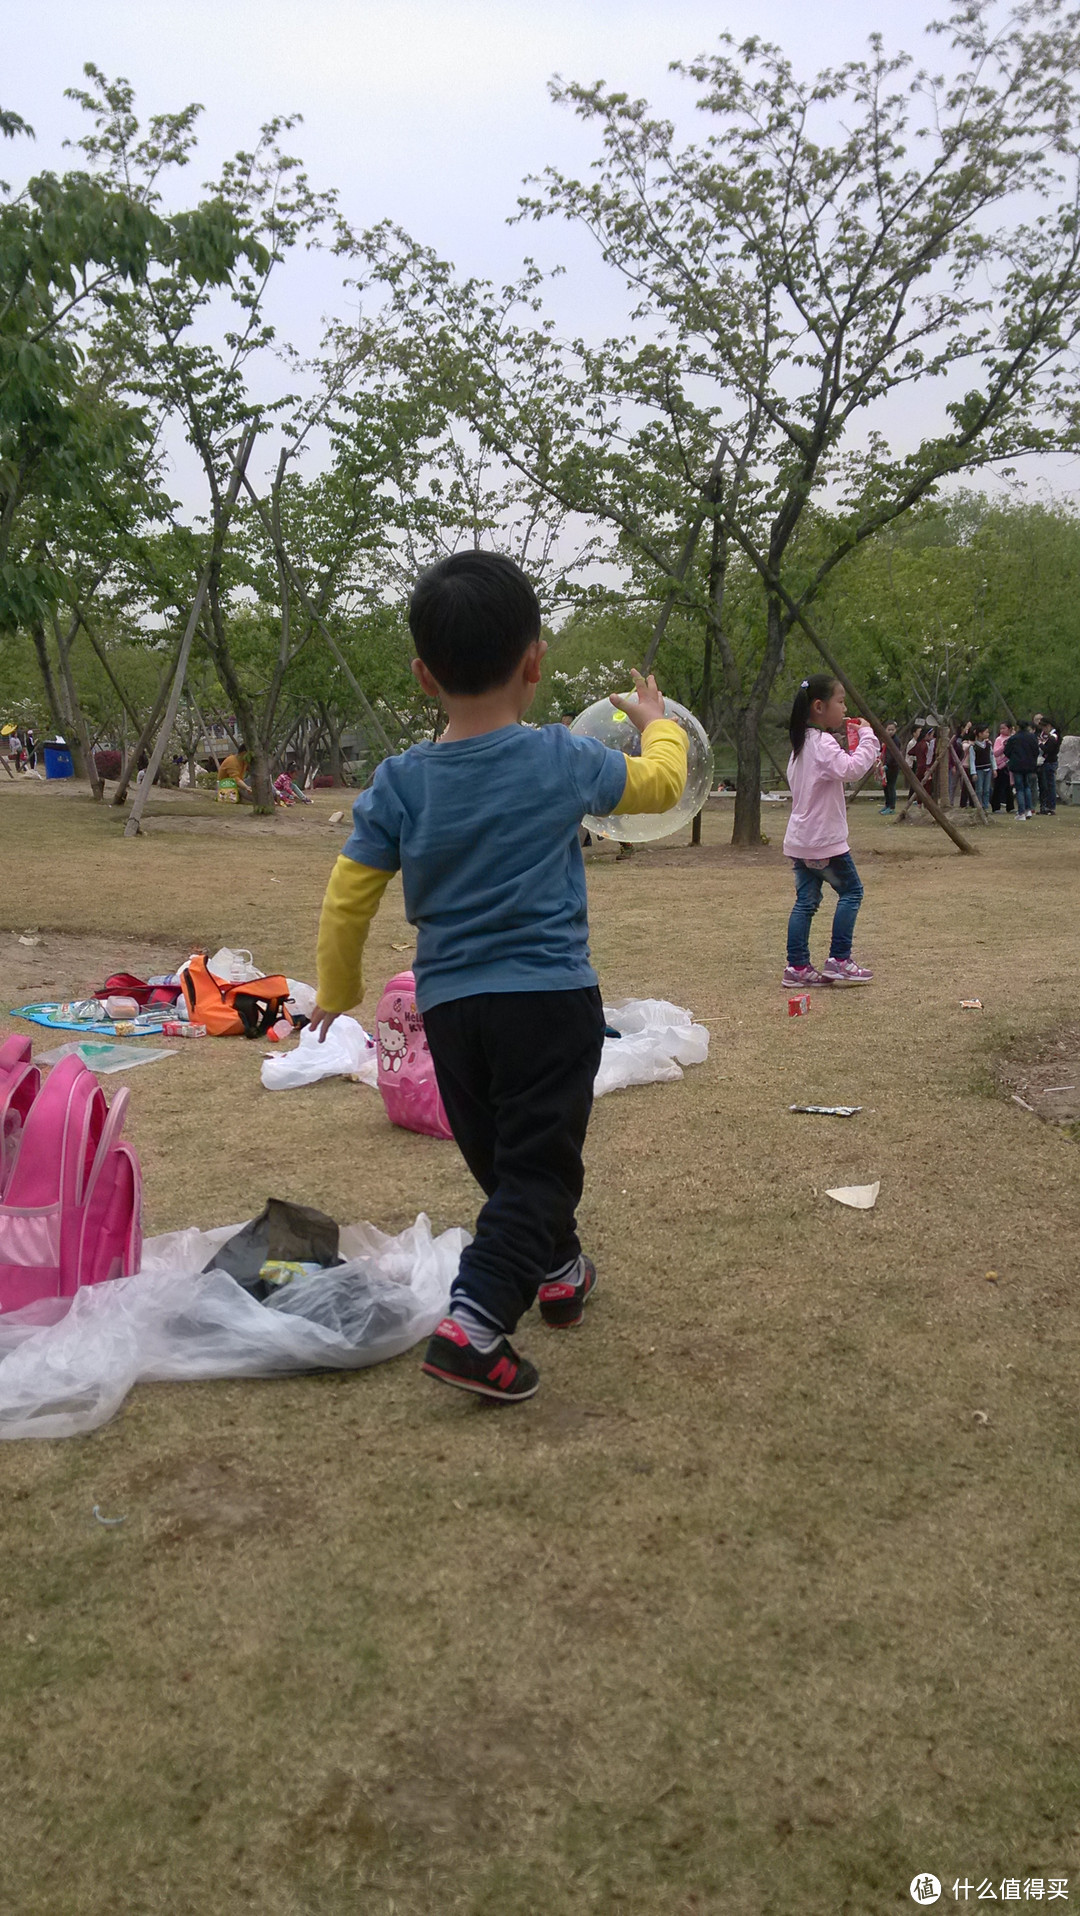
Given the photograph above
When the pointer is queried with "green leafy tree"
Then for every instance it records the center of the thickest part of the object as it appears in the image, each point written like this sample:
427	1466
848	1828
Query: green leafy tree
829	246
69	246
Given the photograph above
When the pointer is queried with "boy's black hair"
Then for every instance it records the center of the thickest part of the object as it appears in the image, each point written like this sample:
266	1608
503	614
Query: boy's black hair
473	617
821	686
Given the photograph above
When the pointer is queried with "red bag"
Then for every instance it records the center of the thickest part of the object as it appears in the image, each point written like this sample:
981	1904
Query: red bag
124	984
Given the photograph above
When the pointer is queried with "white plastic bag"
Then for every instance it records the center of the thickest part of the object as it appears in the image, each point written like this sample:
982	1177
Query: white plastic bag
348	1052
233	967
301	1000
67	1365
657	1040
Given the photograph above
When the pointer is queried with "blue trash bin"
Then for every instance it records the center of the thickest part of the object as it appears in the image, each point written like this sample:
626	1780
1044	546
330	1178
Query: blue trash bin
58	762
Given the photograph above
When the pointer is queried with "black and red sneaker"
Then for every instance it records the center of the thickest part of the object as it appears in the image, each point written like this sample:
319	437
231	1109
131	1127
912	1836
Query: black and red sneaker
562	1299
502	1374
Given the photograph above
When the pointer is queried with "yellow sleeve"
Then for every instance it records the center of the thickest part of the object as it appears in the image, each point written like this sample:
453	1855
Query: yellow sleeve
655	781
351	901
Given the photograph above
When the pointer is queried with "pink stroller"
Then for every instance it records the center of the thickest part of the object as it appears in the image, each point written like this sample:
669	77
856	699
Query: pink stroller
70	1189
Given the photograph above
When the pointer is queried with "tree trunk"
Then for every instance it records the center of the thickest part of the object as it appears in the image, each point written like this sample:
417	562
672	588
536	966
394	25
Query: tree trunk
45	667
746	829
262	784
747	714
130	765
82	747
262	791
333	739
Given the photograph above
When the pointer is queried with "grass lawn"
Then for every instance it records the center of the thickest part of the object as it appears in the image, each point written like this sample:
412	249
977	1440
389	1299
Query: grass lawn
765	1603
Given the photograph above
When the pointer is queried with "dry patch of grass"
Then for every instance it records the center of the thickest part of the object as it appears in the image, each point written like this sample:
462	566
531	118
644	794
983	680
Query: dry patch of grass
768	1599
1042	1073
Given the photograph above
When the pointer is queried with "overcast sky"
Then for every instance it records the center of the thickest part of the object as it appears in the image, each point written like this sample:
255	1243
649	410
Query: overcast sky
428	112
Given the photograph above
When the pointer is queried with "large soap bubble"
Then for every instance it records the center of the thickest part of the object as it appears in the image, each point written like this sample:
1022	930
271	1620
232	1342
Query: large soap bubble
612	727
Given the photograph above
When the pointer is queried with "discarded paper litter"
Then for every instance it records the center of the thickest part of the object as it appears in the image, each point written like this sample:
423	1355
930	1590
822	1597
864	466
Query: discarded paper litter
860	1197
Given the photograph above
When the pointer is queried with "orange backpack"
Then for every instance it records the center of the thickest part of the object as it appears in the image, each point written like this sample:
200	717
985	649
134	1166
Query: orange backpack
231	1011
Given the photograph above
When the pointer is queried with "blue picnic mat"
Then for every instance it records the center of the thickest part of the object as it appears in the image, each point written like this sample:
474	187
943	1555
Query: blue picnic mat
146	1026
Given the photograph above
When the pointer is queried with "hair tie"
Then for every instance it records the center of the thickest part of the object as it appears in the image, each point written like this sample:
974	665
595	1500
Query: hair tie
805	686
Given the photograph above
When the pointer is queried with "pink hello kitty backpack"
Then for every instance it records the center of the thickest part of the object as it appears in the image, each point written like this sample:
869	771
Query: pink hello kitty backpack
70	1190
406	1073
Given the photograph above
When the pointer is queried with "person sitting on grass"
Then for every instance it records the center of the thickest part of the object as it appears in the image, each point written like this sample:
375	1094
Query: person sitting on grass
483	826
233	771
286	789
816	840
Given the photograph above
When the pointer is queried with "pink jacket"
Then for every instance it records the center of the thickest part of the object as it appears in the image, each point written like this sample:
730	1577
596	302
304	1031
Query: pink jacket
817	827
1000	761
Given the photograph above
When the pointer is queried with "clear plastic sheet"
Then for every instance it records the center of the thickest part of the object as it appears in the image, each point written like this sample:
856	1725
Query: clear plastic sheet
66	1365
101	1057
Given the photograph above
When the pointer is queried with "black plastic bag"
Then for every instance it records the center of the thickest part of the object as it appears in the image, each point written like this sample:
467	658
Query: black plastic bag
282	1233
356	1301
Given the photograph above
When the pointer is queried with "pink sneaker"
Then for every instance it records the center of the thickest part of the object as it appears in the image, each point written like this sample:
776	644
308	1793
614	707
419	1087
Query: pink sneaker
800	977
844	971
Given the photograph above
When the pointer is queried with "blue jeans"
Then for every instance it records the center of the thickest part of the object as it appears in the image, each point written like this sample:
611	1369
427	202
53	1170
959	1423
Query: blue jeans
983	781
1048	788
1025	792
840	873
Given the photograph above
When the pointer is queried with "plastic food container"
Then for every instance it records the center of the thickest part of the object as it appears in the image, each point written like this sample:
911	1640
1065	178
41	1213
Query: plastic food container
122	1007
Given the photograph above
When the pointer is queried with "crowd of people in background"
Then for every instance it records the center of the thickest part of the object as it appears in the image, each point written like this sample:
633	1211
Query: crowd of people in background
1008	770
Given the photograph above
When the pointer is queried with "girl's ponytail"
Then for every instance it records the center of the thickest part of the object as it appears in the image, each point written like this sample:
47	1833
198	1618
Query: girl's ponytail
819	687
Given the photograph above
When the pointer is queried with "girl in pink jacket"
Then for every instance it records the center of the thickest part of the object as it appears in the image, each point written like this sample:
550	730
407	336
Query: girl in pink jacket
816	839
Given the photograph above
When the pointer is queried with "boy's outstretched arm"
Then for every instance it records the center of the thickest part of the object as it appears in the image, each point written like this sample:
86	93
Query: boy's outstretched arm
655	781
351	901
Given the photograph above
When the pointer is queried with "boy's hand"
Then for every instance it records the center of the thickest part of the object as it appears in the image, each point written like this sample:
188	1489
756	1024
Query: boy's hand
321	1021
646	705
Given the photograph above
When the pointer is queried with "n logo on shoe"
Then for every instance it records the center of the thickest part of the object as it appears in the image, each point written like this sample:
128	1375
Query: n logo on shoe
503	1373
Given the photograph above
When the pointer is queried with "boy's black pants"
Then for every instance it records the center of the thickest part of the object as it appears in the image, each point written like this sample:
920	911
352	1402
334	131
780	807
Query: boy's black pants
516	1072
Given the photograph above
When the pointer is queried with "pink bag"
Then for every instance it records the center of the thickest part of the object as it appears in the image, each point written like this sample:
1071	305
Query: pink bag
406	1073
70	1205
20	1082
